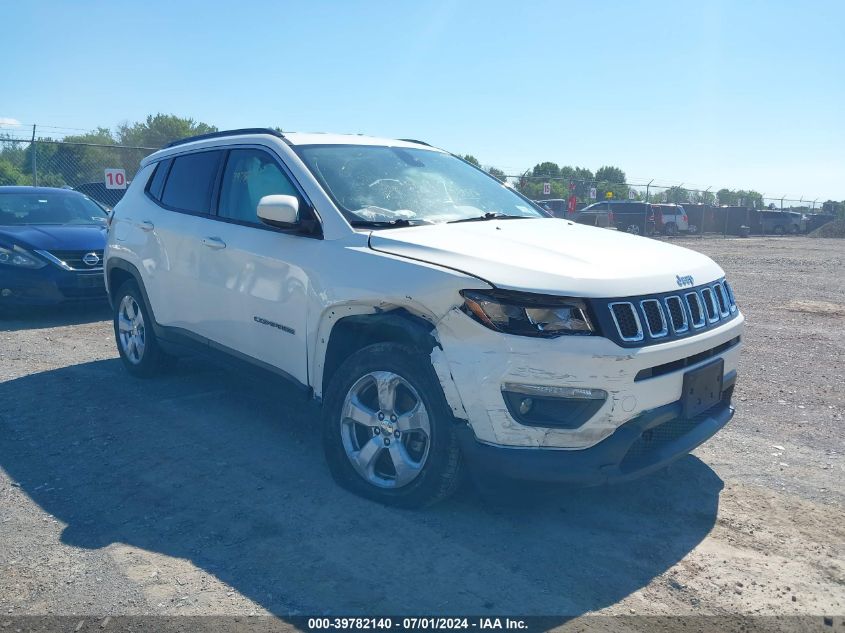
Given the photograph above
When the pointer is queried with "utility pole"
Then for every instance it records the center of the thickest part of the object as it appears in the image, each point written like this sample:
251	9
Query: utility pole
34	159
646	188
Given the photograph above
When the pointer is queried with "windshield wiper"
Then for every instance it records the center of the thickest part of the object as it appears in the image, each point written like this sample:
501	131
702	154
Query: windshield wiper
491	216
388	224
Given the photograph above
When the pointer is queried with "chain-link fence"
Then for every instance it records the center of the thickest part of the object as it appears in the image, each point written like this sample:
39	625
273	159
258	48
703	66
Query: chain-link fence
102	172
81	166
724	211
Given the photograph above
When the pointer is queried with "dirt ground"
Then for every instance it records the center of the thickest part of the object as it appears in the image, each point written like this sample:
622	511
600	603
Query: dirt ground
204	491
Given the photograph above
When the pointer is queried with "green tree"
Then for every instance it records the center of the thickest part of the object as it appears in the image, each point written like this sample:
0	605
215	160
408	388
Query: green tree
472	160
611	180
740	198
546	170
834	208
677	195
10	174
531	183
45	153
160	129
610	174
497	173
702	197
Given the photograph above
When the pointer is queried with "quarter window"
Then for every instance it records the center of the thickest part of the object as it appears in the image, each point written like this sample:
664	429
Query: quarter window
157	181
191	181
250	174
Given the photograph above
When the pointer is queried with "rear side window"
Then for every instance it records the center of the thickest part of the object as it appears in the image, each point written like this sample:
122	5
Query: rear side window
250	175
190	182
157	181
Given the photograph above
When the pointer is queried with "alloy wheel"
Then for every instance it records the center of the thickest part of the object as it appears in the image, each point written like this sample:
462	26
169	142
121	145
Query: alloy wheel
131	331
385	429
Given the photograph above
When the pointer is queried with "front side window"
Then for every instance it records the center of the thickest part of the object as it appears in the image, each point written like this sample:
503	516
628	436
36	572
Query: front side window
250	174
18	209
190	182
378	184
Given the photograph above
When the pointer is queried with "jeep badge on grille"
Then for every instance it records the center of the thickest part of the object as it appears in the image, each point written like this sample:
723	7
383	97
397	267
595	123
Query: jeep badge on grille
684	280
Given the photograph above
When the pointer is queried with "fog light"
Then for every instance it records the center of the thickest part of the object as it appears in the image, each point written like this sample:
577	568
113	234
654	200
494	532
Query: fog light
525	405
545	391
551	406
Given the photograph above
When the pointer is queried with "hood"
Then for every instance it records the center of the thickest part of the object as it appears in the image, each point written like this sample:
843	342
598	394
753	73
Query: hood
56	237
551	256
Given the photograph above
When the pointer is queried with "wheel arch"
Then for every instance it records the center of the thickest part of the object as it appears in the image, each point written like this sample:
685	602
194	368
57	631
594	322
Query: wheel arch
118	272
347	329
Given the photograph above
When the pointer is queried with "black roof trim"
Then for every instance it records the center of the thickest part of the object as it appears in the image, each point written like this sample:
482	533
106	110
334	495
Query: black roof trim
413	140
224	133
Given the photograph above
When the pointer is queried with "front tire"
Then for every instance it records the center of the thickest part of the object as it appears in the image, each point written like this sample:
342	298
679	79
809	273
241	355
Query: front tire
388	434
133	332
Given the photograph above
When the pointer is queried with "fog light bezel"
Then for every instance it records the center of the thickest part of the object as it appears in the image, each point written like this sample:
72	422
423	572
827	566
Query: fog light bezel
565	408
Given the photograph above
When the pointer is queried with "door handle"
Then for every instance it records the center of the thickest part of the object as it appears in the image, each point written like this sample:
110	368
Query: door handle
213	242
147	226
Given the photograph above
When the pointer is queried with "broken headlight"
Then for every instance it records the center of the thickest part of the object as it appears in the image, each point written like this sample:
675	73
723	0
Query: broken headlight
526	314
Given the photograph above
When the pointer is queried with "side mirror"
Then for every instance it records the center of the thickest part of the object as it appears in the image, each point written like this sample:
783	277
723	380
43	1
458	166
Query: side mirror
280	211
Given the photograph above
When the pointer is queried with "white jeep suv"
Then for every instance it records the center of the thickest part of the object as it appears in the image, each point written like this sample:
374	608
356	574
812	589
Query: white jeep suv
439	317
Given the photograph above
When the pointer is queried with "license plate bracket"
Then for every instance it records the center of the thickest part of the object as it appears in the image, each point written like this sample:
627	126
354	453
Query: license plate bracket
702	388
90	281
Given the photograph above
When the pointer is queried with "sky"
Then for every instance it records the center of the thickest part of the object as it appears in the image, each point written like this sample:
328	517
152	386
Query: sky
710	94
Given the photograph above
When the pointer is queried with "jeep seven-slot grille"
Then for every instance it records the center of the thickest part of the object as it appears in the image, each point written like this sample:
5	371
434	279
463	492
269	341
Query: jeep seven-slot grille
653	319
710	304
627	322
677	314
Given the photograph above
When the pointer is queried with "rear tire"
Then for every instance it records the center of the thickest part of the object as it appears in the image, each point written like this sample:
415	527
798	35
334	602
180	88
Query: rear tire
133	332
388	433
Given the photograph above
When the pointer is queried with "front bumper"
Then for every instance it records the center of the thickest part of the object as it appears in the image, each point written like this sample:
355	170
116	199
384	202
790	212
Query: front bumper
49	286
477	363
647	443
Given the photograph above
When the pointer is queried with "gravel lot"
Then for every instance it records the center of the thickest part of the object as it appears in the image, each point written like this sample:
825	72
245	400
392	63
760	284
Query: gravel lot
204	491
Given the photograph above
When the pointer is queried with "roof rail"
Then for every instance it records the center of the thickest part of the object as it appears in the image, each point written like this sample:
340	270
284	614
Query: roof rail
223	133
413	140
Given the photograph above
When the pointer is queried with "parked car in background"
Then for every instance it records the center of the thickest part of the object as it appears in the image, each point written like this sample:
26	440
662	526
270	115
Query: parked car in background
672	219
51	247
558	207
780	222
801	219
414	296
599	216
634	217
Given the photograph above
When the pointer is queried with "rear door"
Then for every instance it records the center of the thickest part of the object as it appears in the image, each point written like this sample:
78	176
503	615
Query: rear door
185	191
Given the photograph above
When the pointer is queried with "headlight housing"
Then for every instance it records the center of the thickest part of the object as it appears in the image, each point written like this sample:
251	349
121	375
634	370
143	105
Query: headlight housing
20	258
527	314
